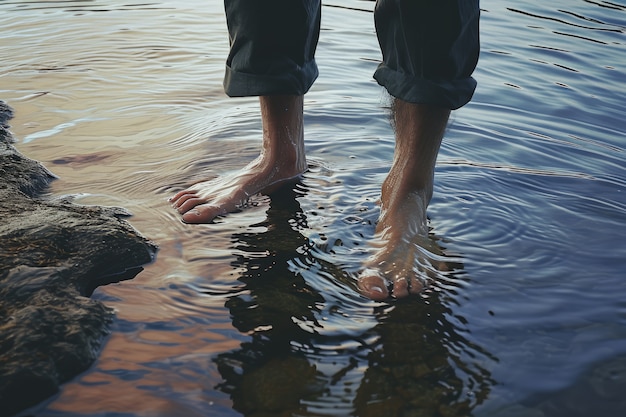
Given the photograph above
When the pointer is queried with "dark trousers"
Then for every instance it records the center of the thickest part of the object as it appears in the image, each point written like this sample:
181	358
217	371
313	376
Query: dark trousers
430	48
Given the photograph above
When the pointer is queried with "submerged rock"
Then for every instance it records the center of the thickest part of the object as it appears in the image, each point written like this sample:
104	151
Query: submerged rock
53	254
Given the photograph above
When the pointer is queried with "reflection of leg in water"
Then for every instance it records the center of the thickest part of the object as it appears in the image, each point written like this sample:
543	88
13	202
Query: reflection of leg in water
296	359
282	158
422	365
270	375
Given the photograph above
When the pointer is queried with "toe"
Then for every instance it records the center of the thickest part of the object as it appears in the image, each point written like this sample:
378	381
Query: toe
401	288
373	285
417	285
204	214
179	195
180	200
189	204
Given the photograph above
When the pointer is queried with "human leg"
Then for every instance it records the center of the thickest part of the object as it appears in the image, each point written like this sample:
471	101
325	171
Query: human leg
430	49
272	56
406	193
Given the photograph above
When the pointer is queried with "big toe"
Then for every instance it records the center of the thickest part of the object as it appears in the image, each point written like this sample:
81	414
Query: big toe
372	285
202	214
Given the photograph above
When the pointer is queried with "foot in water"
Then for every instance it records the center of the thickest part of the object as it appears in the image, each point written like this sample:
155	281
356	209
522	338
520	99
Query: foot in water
204	201
282	159
394	269
405	195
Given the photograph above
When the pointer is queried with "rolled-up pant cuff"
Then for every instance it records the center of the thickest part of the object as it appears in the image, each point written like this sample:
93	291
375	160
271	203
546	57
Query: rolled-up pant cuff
451	94
272	46
296	82
430	49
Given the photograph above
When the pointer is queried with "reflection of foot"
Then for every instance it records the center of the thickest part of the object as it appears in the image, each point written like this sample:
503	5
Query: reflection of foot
204	201
394	268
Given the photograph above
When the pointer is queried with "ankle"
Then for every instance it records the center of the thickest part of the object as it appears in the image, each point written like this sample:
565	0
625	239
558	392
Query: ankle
283	133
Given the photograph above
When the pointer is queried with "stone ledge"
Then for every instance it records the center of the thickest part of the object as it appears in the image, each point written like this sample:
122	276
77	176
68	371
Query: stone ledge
53	254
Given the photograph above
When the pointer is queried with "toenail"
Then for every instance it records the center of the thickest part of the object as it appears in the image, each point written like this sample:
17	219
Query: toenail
375	288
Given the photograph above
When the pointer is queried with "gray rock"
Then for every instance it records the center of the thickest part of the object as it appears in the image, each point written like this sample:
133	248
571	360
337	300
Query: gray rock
53	254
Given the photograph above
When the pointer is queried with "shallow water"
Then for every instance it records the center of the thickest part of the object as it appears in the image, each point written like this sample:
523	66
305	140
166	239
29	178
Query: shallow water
257	314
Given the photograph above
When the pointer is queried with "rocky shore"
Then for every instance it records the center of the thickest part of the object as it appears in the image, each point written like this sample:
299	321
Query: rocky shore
53	254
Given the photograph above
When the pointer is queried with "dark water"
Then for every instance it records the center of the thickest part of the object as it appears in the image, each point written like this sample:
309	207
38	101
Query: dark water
257	315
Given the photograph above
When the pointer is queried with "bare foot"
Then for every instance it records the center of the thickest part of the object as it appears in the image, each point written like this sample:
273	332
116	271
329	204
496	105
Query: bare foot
282	159
394	269
204	201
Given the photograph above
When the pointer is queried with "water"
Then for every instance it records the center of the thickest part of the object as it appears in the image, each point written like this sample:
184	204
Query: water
257	314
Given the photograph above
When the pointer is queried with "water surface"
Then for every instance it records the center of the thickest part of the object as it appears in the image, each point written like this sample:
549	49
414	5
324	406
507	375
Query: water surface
257	314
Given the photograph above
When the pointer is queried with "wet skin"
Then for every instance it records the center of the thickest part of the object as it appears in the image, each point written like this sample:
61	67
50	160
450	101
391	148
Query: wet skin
392	270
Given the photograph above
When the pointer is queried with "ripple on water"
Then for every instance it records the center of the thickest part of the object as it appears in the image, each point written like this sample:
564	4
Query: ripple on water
259	311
